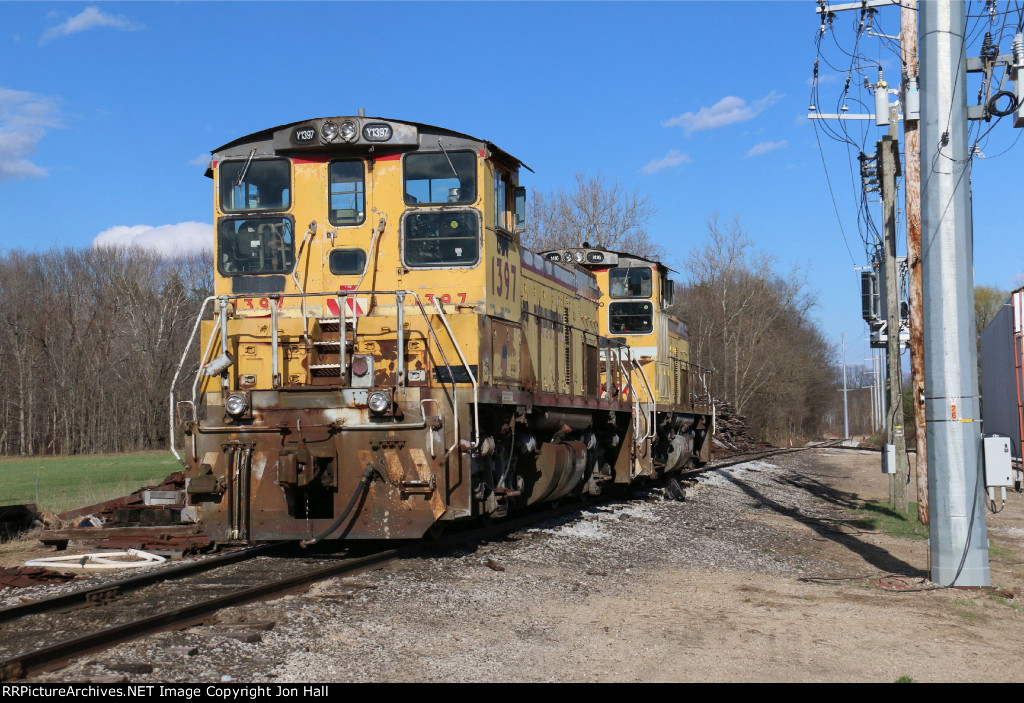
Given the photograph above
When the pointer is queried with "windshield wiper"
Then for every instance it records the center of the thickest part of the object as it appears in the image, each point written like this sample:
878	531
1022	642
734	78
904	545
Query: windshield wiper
445	152
245	169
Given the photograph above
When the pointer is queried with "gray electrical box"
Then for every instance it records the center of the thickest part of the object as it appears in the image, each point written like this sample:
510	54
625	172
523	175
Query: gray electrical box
888	458
998	469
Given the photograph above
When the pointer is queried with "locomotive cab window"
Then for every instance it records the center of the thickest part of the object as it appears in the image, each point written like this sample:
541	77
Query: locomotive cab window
629	283
440	178
255	246
348	193
257	184
631	318
347	262
501	191
440	238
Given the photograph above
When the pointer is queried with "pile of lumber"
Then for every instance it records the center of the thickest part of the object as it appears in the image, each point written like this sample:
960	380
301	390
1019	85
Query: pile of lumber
733	433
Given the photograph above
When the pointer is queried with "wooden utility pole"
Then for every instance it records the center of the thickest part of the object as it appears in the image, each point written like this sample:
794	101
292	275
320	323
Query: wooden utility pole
912	213
888	170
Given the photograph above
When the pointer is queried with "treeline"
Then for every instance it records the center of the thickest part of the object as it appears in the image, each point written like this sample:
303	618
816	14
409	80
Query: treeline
90	340
752	326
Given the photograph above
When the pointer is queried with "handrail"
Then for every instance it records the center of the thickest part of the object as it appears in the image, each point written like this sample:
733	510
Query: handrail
650	394
342	299
472	377
451	375
177	372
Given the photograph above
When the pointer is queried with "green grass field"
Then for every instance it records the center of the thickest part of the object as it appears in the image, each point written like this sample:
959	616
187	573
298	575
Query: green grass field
69	482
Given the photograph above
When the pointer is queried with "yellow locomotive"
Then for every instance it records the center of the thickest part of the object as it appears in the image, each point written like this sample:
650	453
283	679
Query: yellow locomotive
383	356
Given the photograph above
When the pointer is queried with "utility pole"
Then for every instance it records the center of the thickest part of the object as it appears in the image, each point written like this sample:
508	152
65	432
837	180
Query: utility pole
912	215
888	169
846	407
958	541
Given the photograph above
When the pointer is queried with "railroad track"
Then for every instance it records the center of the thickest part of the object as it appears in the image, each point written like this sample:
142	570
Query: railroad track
127	610
166	599
741	458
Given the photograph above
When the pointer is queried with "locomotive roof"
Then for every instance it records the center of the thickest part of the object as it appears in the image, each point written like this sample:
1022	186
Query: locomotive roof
269	134
605	258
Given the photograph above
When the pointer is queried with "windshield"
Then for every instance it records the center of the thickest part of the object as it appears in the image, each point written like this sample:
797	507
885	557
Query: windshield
630	283
437	178
441	238
255	246
631	318
263	184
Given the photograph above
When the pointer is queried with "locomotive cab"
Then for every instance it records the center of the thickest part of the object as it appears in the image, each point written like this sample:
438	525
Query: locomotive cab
671	390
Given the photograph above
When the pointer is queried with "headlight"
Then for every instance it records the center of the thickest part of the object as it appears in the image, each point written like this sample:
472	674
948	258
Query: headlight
348	131
236	404
579	257
329	131
567	257
379	402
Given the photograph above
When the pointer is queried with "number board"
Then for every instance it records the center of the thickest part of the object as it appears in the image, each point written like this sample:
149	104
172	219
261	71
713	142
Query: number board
376	132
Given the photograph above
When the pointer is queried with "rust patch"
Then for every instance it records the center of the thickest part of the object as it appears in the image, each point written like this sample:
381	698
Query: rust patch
424	472
395	470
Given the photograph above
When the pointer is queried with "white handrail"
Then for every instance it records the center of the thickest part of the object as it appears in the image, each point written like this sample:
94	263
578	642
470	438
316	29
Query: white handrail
472	377
181	363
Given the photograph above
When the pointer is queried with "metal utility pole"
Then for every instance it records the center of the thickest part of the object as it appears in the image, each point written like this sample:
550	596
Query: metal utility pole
846	407
958	543
876	407
888	170
912	215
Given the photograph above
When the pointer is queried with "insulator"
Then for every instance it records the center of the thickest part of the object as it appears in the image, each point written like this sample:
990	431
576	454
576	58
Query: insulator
1018	49
988	48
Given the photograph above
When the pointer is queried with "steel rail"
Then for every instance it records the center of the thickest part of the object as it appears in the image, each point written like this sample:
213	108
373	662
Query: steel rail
58	655
742	457
97	594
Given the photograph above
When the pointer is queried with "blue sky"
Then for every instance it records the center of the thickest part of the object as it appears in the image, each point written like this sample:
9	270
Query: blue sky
108	111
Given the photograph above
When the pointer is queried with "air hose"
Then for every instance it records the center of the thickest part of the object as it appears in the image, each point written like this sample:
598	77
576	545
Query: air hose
363	480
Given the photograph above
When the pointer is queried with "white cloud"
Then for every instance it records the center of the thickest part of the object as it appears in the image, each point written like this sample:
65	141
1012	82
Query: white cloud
201	160
89	18
726	111
672	158
23	119
765	147
166	239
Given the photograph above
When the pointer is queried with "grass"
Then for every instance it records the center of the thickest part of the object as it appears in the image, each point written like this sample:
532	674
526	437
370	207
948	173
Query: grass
966	610
880	516
905	679
69	482
999	553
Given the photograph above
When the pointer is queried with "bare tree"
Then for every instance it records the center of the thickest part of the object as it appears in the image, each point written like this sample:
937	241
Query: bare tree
93	337
752	326
595	213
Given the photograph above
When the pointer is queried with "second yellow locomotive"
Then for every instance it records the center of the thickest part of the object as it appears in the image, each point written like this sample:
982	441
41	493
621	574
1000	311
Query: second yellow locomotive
385	357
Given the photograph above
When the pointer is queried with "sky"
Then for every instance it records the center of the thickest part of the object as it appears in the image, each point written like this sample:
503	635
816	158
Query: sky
108	112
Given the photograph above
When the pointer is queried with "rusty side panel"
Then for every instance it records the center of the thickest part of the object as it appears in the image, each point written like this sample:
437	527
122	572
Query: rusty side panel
505	352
